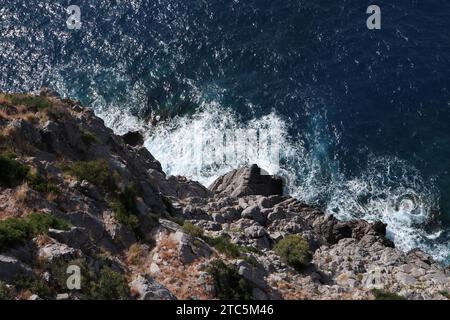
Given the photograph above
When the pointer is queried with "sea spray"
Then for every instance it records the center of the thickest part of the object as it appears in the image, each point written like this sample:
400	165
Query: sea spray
213	141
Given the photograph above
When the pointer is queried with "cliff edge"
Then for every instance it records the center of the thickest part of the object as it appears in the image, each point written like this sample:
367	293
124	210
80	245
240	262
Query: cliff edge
75	196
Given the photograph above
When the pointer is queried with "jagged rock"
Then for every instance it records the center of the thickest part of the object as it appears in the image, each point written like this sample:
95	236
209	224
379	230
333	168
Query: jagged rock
118	232
247	181
349	257
149	289
23	131
11	268
133	138
188	250
255	232
253	213
254	275
78	238
54	251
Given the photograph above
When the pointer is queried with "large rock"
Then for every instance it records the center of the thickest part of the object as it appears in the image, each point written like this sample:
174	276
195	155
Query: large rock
11	268
133	138
247	181
56	251
148	289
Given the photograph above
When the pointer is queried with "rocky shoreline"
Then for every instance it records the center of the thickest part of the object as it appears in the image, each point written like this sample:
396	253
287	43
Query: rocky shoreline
73	193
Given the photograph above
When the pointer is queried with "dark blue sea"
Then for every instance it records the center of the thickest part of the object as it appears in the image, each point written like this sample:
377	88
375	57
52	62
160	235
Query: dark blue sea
361	118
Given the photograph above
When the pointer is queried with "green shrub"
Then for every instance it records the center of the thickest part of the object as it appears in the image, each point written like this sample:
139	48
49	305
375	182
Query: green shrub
41	184
35	285
5	292
125	208
111	285
39	223
445	293
14	231
251	260
37	102
386	295
229	284
12	172
224	245
192	229
88	137
294	251
96	172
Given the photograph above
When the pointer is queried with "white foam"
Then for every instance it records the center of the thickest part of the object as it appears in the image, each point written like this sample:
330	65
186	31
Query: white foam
389	189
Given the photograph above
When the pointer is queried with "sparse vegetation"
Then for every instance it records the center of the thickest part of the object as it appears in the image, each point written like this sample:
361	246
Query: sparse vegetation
380	294
125	208
229	284
111	285
12	172
42	184
88	137
37	102
168	204
224	245
294	251
15	231
192	229
96	172
445	293
34	285
5	292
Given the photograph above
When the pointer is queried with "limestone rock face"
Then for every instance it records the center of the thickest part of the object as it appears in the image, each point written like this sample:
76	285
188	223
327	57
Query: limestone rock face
175	229
247	181
149	289
11	268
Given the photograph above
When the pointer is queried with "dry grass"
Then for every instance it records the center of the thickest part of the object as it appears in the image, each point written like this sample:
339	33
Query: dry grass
136	255
22	193
24	295
181	279
31	117
43	239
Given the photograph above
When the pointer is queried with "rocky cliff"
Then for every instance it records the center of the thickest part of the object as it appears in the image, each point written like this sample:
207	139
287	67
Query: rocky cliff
74	194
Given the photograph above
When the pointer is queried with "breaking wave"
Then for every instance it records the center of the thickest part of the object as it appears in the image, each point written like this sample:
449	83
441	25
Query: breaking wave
214	141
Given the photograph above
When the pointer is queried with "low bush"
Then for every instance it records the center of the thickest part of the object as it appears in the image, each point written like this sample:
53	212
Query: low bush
96	172
386	295
5	292
34	285
224	245
111	285
192	229
42	184
40	103
125	208
229	284
12	172
15	231
294	251
88	137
